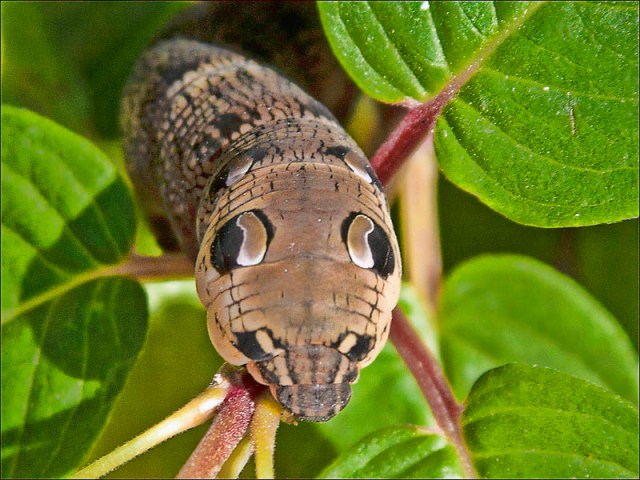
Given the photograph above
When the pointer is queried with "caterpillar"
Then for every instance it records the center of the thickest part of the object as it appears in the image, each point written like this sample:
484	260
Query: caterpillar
296	260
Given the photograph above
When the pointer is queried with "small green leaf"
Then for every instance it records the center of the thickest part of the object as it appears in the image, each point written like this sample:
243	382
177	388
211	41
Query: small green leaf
65	210
76	57
545	129
405	451
63	364
506	308
533	422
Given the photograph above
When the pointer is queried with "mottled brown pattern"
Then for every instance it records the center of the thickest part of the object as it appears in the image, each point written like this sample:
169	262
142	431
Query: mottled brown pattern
212	135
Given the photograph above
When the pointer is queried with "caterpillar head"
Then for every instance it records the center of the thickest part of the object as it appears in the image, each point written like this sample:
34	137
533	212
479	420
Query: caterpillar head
299	283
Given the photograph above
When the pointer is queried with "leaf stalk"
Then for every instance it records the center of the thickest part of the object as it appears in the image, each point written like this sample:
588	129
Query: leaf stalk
194	413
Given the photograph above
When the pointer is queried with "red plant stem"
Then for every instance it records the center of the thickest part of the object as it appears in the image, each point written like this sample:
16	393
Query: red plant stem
228	428
407	135
431	380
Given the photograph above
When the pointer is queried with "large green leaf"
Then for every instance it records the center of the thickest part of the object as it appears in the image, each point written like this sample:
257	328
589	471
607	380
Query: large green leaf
505	308
69	338
546	129
533	422
65	211
398	452
63	364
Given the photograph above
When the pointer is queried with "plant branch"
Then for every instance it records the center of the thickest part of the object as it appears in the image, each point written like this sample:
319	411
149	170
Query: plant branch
431	380
168	265
224	435
238	459
407	135
419	222
228	428
264	426
413	138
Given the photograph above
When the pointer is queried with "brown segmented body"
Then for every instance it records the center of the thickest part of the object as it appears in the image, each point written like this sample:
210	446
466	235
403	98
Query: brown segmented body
295	256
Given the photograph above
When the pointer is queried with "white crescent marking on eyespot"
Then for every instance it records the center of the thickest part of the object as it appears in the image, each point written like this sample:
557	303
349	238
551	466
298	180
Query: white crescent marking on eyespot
254	243
354	162
357	241
238	169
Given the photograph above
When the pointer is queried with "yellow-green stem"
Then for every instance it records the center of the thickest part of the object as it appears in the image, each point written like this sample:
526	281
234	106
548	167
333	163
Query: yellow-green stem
194	413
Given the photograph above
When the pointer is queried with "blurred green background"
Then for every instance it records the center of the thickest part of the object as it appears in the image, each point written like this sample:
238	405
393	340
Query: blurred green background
69	61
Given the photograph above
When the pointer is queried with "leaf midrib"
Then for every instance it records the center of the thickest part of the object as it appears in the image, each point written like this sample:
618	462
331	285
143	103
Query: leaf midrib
56	291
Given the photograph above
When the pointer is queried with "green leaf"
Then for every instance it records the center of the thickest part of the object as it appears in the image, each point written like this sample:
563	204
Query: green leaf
66	213
405	451
533	422
82	52
545	130
69	339
506	308
63	363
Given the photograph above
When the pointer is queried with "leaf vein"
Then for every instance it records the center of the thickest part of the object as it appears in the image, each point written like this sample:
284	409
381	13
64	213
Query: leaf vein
574	93
492	412
470	22
414	80
521	451
594	38
65	220
550	160
45	328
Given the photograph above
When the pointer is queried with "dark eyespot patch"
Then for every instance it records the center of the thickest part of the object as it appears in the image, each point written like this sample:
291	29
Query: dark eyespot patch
368	245
241	242
234	169
257	345
356	163
355	347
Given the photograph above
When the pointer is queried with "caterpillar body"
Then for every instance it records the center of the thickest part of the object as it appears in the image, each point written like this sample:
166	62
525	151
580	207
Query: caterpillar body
296	260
